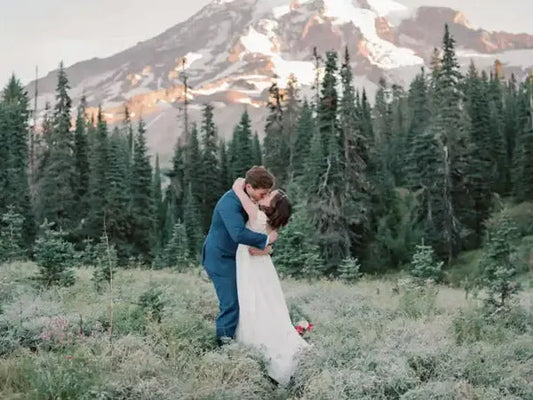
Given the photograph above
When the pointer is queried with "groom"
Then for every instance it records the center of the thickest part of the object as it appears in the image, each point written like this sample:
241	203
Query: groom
227	231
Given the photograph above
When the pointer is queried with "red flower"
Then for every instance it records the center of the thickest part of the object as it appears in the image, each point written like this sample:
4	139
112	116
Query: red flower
310	326
299	329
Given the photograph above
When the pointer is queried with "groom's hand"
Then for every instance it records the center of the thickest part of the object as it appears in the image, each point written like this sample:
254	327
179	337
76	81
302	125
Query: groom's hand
258	252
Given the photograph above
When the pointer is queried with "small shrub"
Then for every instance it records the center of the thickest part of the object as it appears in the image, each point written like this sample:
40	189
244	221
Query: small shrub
424	266
349	270
54	256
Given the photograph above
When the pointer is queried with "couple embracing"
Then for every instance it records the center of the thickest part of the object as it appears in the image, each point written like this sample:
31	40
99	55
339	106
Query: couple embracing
236	256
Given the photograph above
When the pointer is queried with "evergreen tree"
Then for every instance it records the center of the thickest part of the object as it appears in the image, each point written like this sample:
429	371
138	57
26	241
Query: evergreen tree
424	266
98	179
420	114
482	172
81	163
306	127
11	236
353	198
291	112
257	158
54	257
56	191
119	223
349	269
241	147
193	166
192	226
159	210
14	174
275	143
225	173
177	249
499	261
449	128
523	153
296	253
210	185
142	211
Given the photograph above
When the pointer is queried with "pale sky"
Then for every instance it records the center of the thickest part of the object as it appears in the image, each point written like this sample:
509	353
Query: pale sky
44	32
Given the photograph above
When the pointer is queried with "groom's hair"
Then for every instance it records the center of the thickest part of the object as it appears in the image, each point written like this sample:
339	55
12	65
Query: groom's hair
260	178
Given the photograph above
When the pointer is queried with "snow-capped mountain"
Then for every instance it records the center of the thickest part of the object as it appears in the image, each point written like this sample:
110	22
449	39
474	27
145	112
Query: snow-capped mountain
232	51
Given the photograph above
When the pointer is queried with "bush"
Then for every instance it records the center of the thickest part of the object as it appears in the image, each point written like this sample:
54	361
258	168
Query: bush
424	266
105	262
499	261
349	270
11	241
54	257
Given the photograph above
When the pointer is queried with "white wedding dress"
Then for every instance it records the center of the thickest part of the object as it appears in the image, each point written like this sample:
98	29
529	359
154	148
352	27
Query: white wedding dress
264	321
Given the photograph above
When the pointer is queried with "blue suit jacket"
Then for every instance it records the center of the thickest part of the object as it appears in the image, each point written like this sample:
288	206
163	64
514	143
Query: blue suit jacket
227	231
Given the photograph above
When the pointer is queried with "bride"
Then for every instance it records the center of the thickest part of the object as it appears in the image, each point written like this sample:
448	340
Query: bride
264	321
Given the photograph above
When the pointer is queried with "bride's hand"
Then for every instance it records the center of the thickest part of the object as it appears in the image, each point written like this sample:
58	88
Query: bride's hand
239	184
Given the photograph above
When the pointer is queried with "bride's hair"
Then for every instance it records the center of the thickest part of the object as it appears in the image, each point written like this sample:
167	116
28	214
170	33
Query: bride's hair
279	211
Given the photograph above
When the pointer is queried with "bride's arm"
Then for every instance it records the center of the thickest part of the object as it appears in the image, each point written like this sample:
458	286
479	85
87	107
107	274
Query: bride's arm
249	206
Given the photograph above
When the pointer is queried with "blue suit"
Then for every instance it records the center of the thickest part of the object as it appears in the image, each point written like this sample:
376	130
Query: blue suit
227	231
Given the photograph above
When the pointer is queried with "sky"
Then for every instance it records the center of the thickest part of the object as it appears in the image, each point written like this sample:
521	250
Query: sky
44	32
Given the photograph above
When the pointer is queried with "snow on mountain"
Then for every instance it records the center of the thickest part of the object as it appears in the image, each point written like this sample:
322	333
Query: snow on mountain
233	50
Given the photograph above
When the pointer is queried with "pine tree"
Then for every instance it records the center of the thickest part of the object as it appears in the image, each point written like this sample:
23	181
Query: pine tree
306	127
210	185
11	236
81	163
257	158
225	173
424	266
98	180
275	143
57	193
142	211
119	223
291	112
448	127
482	172
192	226
523	153
499	261
54	257
177	249
420	114
159	210
14	174
296	253
353	197
241	147
349	269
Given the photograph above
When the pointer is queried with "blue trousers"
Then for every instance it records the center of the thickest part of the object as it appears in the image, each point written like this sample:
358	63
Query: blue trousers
228	301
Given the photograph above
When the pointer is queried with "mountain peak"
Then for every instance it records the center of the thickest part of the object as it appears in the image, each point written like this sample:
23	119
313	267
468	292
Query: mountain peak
232	51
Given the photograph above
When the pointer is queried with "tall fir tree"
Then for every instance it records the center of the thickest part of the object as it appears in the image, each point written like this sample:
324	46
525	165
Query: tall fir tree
275	144
241	147
449	126
159	210
119	223
142	204
191	219
14	172
257	154
98	180
306	127
81	164
210	185
57	195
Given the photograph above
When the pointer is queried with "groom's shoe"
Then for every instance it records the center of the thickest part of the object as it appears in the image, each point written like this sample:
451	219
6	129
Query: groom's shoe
223	340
